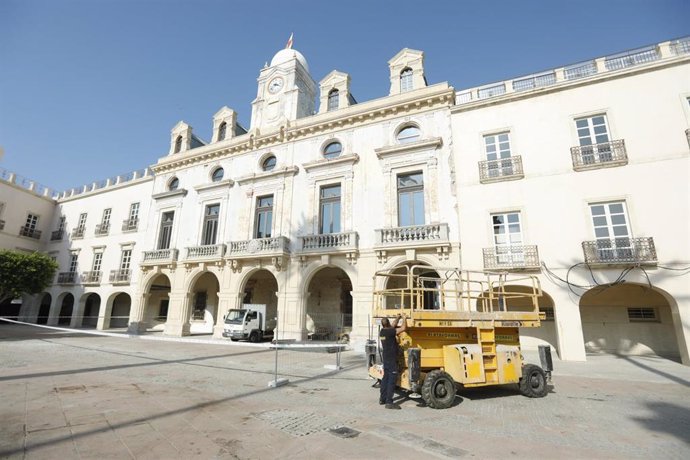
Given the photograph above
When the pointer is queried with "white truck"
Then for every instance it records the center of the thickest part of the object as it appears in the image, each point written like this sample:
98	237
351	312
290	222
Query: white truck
251	322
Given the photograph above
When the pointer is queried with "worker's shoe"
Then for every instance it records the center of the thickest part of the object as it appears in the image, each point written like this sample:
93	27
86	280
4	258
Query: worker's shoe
381	402
393	406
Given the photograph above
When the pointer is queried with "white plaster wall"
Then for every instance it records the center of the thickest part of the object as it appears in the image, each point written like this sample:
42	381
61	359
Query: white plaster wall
18	202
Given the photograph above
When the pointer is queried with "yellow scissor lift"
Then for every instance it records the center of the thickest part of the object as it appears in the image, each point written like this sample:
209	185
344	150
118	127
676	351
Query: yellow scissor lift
463	328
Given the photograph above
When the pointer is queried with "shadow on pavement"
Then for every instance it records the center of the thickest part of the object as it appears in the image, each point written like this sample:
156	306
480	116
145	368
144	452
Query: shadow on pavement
668	418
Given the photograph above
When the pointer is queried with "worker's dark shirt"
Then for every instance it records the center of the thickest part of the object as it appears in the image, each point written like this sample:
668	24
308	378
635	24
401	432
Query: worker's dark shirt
389	345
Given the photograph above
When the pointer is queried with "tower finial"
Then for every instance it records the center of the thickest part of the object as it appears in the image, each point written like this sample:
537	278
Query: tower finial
288	45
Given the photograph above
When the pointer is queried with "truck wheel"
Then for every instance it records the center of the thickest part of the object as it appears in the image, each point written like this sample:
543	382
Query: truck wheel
254	337
533	381
438	390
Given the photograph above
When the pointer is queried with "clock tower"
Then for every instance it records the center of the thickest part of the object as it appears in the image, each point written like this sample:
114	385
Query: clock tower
285	93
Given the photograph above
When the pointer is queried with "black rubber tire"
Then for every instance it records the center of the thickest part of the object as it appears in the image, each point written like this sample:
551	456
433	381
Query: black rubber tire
254	337
438	389
533	381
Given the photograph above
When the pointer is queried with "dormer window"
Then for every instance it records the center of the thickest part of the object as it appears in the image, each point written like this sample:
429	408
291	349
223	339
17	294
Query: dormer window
221	131
173	184
333	99
408	134
178	144
217	175
406	80
269	163
332	150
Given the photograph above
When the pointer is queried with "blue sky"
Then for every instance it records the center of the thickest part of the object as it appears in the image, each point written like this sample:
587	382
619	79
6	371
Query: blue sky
91	88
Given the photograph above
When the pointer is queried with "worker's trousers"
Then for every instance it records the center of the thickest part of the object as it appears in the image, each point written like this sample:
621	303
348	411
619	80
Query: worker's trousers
390	378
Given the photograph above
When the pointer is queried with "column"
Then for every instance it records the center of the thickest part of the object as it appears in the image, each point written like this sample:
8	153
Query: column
571	343
178	314
137	325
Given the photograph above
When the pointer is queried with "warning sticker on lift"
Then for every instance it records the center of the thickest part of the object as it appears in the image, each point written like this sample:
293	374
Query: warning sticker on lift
505	338
444	335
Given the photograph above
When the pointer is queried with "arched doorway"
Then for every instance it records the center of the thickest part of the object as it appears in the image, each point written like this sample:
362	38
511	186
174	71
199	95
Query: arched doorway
329	305
204	305
92	306
628	319
426	281
156	308
66	307
119	313
44	309
262	288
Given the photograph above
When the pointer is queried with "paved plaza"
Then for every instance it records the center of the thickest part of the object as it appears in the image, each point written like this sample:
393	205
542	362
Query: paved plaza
71	395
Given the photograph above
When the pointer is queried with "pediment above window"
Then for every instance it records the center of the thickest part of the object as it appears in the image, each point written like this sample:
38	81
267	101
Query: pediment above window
180	192
227	183
268	175
410	147
350	159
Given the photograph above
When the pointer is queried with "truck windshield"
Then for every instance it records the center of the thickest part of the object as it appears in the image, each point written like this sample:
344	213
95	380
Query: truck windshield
235	316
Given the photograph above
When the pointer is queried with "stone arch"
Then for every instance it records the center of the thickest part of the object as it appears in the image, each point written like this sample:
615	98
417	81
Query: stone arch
118	310
89	307
44	308
397	269
397	261
327	303
65	308
204	289
156	301
630	319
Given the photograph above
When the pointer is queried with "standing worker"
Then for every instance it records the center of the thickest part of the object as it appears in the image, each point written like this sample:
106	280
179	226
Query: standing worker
389	343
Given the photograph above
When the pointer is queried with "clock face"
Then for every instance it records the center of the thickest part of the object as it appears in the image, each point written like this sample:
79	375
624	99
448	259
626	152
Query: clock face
275	85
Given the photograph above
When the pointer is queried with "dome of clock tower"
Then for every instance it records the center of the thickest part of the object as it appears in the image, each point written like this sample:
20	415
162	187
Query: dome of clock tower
286	55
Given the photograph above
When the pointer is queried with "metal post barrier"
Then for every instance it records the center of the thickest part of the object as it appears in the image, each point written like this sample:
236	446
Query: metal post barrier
276	382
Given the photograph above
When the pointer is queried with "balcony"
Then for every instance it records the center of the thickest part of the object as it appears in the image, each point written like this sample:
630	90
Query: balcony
159	257
130	225
57	235
276	248
67	277
78	233
30	233
2	225
102	229
606	154
413	236
205	252
522	257
120	276
500	170
620	251
329	243
91	277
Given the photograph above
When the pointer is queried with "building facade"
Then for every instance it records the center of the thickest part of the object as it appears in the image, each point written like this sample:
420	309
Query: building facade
559	174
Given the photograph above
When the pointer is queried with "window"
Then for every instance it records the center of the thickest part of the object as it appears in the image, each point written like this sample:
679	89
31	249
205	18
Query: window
105	220
166	230
73	262
178	144
611	231
411	199
508	238
199	305
31	222
217	175
61	224
82	221
134	211
221	131
642	314
332	150
211	224
405	80
593	135
97	260
333	99
408	134
498	148
330	209
264	217
125	259
269	163
173	184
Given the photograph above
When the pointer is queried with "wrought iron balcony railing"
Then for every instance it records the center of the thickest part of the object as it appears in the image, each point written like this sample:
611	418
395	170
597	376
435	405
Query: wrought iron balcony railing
159	256
120	276
416	235
259	246
30	233
130	225
208	251
599	155
93	277
498	170
329	242
56	235
67	277
522	257
78	232
102	229
620	251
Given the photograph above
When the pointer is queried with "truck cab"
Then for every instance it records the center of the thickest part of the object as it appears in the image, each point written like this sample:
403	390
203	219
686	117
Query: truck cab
248	323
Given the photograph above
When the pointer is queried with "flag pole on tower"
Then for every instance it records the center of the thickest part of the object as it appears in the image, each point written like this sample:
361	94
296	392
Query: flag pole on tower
288	45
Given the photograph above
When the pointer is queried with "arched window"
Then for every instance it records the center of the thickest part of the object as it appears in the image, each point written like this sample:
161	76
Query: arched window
173	184
221	131
269	163
178	144
333	99
409	133
405	80
332	150
217	175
